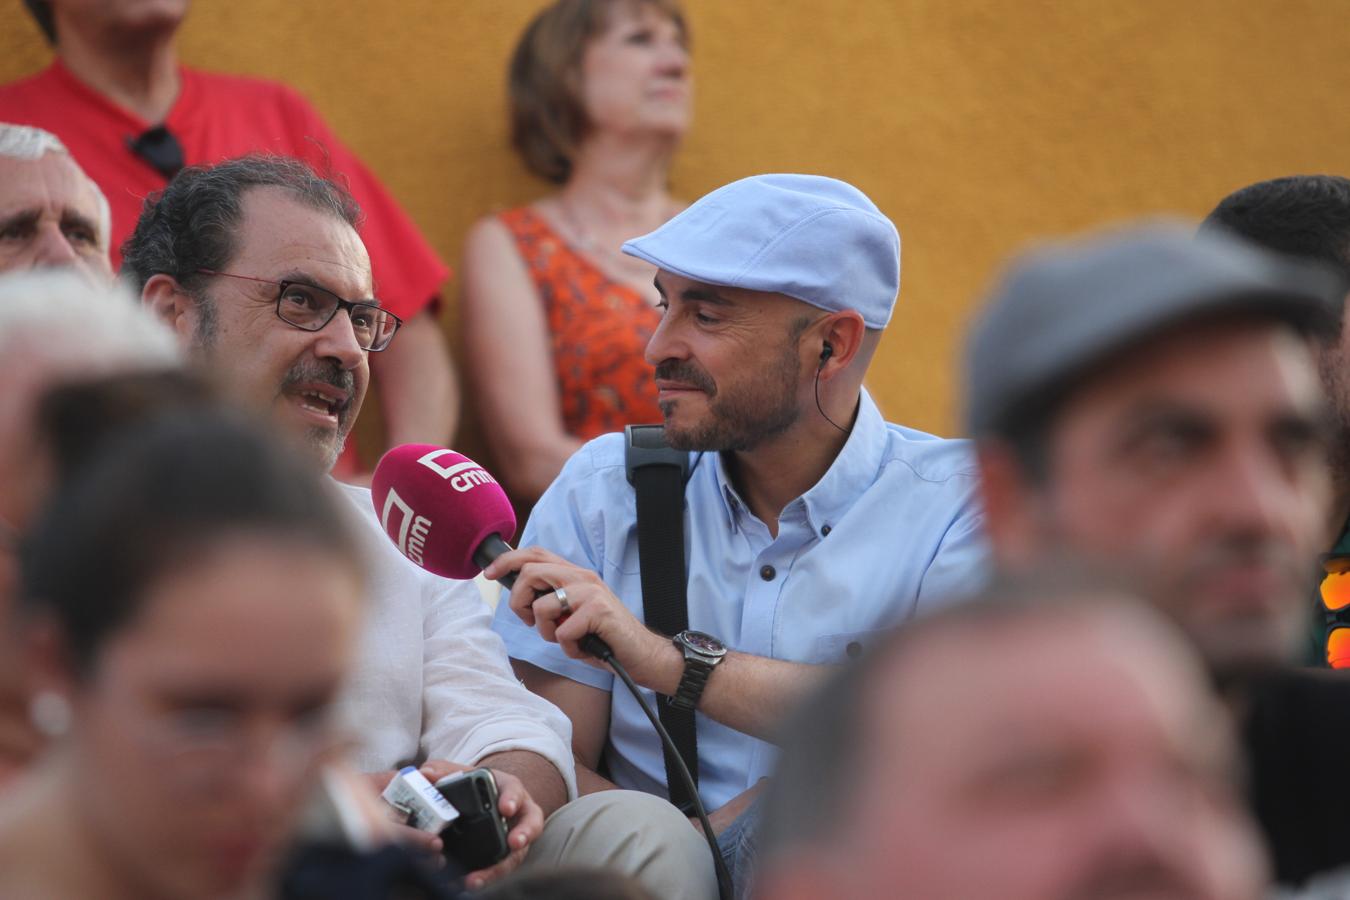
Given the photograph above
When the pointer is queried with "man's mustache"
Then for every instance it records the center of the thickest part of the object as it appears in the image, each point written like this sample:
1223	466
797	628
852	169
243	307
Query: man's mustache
686	373
324	371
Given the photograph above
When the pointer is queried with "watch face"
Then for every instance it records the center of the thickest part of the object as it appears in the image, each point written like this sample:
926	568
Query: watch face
704	643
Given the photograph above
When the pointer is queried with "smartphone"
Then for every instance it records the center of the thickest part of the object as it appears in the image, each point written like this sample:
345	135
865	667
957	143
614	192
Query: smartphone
476	839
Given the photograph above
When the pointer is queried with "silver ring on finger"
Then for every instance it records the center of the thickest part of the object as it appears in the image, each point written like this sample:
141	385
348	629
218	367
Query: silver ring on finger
562	601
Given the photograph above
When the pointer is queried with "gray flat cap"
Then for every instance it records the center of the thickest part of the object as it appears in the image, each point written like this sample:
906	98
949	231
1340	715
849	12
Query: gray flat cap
1062	309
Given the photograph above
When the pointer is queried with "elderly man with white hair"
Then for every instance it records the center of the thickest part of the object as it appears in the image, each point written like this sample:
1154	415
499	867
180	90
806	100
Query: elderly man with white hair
51	213
55	328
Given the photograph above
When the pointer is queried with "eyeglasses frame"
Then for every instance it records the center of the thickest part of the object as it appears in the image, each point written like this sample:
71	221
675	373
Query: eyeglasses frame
348	305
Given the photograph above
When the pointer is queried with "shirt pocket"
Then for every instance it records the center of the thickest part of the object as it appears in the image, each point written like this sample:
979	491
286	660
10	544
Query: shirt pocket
836	649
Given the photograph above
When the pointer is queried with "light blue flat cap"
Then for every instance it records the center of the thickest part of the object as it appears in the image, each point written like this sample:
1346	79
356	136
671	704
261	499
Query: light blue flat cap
817	239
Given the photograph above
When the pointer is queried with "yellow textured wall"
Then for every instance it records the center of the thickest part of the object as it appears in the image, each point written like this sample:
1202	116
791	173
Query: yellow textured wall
977	125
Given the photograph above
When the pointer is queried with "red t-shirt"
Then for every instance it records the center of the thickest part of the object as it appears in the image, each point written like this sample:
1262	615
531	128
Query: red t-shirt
218	117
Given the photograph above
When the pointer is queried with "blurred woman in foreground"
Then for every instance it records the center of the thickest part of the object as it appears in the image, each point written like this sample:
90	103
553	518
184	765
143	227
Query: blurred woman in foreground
556	318
192	601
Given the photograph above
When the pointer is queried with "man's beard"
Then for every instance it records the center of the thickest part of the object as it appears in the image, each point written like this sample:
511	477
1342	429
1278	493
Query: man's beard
740	419
325	444
1233	644
204	332
321	444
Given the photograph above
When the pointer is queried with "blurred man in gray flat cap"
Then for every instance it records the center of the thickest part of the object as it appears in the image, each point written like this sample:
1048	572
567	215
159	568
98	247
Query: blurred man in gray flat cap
1150	401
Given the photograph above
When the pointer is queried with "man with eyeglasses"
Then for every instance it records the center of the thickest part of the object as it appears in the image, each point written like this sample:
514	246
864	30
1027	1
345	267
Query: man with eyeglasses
1149	401
256	265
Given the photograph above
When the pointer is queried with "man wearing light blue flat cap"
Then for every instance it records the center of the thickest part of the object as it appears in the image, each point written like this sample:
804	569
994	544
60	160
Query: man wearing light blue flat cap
810	524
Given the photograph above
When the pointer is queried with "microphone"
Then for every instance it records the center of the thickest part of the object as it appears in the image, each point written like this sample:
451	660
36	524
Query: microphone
447	515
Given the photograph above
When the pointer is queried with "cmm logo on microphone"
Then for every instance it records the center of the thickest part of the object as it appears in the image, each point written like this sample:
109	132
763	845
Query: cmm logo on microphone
463	476
411	529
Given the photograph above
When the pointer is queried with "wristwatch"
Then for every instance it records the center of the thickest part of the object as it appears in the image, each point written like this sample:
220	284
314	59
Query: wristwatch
701	653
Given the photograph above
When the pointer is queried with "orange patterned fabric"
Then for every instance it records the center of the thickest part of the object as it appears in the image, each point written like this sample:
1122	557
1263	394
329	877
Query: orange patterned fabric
598	328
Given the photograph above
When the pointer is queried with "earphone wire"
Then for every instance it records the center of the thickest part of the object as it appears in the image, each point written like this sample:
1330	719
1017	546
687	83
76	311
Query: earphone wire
821	408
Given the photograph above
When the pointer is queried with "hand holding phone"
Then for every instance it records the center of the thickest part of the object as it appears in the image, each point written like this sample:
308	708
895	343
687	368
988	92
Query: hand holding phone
476	839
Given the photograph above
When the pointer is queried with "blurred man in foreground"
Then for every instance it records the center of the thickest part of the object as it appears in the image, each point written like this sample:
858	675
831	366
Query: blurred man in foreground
55	327
193	600
1043	742
1150	402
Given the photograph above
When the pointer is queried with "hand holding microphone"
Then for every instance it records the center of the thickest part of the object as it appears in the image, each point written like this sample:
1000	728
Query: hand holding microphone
446	514
567	604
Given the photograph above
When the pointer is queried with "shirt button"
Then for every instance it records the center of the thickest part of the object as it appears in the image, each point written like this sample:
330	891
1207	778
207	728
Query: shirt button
767	573
854	650
824	530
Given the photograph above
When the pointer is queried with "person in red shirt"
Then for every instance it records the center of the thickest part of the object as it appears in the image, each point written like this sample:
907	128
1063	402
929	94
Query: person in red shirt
132	115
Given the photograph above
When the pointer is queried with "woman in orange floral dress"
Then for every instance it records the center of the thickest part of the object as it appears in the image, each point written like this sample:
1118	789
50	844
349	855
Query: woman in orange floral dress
555	316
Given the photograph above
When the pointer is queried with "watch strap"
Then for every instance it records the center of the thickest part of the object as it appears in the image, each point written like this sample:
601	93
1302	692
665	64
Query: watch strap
692	683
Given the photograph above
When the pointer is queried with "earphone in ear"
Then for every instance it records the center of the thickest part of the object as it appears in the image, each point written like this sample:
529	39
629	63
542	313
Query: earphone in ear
826	351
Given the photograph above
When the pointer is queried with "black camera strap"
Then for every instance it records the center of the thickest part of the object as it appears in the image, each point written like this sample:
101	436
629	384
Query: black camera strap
658	474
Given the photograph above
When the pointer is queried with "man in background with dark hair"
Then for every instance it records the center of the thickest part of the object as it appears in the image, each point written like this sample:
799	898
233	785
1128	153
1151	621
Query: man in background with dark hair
1308	216
1043	741
132	116
1148	401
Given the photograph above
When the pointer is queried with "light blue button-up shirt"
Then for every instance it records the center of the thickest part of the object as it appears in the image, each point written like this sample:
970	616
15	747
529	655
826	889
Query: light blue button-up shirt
891	529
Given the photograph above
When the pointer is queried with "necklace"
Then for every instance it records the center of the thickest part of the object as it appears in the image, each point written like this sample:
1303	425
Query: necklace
611	259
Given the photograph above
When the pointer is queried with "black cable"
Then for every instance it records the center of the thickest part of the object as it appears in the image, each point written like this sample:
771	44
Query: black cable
493	547
600	650
822	409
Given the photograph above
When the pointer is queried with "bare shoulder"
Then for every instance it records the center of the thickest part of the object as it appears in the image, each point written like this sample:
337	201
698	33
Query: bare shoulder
492	269
490	238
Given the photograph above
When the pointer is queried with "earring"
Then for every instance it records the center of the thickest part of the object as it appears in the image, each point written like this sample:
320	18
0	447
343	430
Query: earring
50	713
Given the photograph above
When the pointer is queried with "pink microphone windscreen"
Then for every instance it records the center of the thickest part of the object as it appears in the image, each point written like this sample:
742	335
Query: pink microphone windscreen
437	506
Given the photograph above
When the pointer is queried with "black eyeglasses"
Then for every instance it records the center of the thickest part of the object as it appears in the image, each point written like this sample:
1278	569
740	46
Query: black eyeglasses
310	308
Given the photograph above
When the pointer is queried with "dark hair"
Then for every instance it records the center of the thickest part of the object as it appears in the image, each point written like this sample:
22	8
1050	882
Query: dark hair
1025	429
41	11
1301	215
548	120
155	500
191	224
75	420
824	740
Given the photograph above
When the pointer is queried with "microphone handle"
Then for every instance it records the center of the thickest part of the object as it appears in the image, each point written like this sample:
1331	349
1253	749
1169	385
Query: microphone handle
492	547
